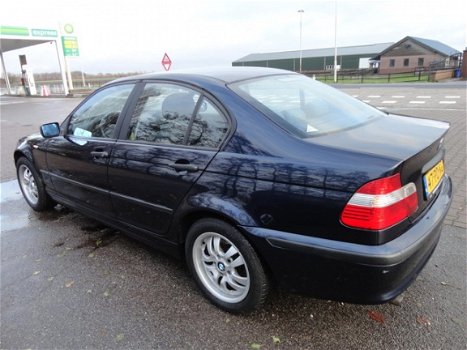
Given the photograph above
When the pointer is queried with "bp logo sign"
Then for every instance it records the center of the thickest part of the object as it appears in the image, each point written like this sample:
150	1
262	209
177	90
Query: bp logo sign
68	28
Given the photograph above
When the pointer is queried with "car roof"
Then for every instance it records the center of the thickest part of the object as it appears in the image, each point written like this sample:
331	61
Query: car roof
224	74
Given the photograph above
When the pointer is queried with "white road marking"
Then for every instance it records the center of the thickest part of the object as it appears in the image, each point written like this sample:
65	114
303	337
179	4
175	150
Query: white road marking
452	97
423	97
374	96
397	96
417	108
447	102
381	107
354	95
366	101
4	103
418	102
389	102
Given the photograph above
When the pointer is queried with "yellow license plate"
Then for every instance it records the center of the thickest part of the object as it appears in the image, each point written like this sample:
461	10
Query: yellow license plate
433	177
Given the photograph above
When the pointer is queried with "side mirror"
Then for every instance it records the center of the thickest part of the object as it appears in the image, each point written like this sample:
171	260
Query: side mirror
50	130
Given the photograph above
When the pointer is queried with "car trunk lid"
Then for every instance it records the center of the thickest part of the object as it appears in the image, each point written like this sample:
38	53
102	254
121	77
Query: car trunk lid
415	144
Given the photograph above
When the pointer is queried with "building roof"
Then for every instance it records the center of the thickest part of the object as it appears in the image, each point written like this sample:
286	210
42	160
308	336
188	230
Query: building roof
341	51
430	44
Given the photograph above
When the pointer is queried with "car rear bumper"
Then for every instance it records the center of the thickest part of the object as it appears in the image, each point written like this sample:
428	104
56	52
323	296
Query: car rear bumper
353	272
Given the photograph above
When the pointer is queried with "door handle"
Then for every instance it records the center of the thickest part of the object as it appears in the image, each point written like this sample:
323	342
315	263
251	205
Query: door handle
100	154
184	167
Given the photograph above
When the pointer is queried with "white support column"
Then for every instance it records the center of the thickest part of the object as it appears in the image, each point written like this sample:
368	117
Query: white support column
5	74
301	13
335	42
61	63
68	72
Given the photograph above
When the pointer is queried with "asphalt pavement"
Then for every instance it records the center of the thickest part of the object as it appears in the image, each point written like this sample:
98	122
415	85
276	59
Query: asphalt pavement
68	282
21	116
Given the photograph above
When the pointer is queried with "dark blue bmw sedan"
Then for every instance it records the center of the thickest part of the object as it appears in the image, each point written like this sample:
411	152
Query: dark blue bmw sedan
256	177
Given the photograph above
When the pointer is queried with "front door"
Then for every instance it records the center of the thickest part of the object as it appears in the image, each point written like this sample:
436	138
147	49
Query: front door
172	135
77	160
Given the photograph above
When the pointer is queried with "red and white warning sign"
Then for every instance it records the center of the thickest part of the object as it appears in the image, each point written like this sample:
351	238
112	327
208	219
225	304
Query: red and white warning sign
166	62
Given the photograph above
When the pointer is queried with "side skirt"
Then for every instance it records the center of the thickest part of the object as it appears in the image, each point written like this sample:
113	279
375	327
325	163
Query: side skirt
144	236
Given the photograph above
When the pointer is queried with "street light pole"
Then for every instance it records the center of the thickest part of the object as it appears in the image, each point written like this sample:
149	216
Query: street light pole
335	42
301	13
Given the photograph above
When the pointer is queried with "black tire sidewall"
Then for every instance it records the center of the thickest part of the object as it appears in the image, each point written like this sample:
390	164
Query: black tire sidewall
44	202
258	280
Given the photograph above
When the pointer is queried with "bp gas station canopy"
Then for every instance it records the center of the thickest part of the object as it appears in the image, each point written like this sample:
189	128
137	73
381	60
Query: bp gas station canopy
14	38
8	44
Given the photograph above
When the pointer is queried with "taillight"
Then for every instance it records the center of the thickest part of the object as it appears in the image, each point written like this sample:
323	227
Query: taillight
380	204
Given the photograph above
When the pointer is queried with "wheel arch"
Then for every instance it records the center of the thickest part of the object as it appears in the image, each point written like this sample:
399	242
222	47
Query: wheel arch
187	220
22	153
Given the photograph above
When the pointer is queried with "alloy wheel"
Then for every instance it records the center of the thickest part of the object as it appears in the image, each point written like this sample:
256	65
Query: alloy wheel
221	267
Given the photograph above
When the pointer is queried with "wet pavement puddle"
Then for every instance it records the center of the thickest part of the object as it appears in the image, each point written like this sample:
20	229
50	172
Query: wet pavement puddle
13	219
9	191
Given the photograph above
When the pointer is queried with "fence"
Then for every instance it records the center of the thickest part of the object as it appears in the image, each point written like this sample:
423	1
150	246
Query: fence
80	86
356	77
55	87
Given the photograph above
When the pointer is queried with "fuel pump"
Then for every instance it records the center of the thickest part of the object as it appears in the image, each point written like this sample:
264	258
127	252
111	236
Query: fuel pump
27	77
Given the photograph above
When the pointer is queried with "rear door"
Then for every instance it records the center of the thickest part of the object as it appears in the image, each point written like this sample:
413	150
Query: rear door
172	134
77	160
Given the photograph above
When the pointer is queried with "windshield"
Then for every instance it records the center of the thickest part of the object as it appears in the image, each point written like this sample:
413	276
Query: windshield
304	106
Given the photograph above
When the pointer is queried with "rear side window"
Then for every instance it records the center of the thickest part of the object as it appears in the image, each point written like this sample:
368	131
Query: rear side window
98	116
304	106
209	126
176	115
162	114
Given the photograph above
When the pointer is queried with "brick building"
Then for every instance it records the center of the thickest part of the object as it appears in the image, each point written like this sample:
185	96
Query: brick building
412	53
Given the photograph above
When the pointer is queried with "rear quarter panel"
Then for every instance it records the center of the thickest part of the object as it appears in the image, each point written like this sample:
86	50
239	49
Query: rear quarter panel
300	197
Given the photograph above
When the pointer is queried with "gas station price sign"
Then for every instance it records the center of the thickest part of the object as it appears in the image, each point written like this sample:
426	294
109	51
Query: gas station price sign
70	45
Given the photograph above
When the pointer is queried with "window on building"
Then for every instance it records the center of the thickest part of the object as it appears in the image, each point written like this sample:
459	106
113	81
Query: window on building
421	62
406	62
392	62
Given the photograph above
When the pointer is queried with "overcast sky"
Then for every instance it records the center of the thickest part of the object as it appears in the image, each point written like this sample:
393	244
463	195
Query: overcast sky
124	36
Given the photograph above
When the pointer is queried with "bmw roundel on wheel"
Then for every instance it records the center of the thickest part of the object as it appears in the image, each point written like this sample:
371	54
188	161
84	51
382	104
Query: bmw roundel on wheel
256	177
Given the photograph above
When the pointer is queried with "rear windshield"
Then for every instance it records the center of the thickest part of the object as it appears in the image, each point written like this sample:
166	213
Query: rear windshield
304	106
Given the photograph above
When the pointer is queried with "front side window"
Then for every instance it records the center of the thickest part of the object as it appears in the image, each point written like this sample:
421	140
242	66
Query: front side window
98	116
303	106
392	62
406	62
175	115
421	62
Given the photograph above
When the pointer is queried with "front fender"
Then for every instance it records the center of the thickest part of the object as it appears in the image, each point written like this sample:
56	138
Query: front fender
24	148
34	148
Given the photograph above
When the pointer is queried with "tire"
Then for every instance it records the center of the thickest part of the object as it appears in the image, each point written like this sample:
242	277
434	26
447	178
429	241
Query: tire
31	185
225	266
